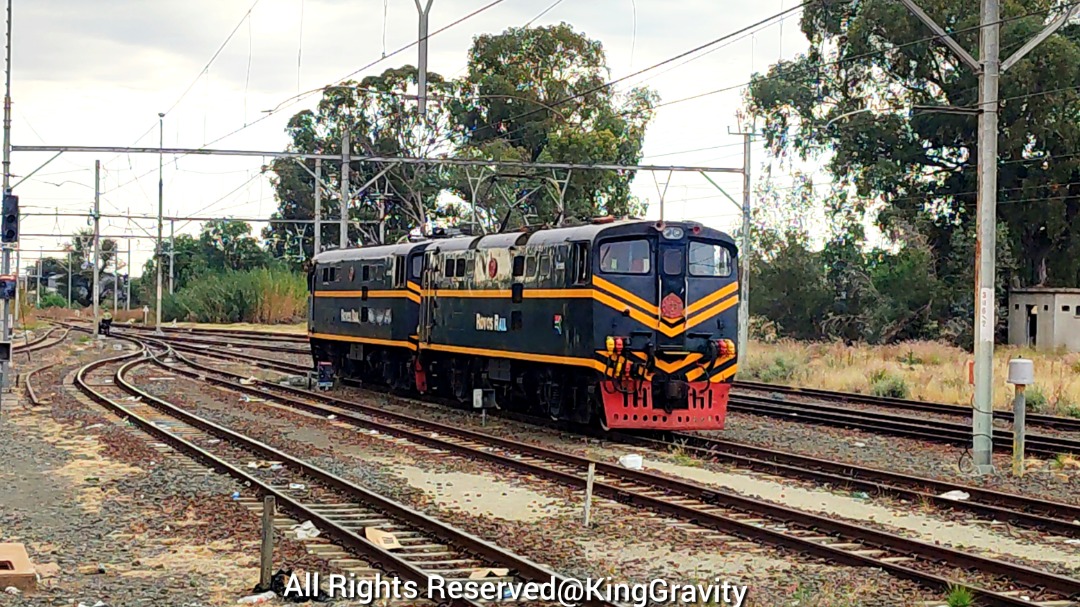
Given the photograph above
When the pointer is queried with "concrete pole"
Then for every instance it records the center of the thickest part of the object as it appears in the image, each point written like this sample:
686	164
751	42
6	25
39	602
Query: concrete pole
18	282
318	207
421	74
37	288
986	239
127	285
6	321
266	552
1019	413
744	254
160	223
97	245
69	278
172	252
344	239
116	282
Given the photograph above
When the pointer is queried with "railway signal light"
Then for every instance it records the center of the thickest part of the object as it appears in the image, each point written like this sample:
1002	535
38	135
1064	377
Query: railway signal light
9	222
7	287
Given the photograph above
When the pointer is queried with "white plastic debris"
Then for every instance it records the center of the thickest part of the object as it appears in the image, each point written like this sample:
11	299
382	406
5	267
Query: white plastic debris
1072	541
12	590
297	486
331	416
91	427
305	530
631	461
955	494
258	598
860	444
247	382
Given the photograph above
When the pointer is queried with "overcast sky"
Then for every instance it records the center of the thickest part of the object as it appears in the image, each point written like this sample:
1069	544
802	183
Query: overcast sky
98	73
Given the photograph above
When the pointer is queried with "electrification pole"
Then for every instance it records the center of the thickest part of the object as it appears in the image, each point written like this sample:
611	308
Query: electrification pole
160	222
97	245
69	278
344	240
744	254
989	70
318	207
172	252
421	74
127	283
5	322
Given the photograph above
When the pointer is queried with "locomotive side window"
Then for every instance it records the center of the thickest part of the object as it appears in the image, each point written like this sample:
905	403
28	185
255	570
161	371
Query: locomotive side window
417	265
365	273
530	266
460	272
625	257
581	263
707	259
329	275
545	264
399	271
519	265
449	271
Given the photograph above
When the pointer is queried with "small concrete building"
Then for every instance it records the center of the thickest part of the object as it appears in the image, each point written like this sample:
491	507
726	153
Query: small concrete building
1045	318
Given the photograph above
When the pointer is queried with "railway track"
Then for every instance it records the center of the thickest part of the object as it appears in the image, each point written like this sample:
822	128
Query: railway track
882	423
1001	583
339	508
898	425
1052	517
1049	421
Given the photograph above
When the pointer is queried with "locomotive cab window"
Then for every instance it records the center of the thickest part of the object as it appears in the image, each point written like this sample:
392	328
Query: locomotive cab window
417	265
460	270
399	271
709	259
625	257
448	272
329	275
673	262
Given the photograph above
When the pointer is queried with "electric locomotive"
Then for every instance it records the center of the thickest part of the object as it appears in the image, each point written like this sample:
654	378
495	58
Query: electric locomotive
625	323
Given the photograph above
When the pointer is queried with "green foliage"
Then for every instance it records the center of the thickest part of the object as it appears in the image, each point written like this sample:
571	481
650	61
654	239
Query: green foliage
52	300
920	165
883	384
1035	399
262	296
531	94
959	596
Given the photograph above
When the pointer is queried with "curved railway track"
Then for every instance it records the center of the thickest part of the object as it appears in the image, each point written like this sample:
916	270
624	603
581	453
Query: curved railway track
339	508
705	506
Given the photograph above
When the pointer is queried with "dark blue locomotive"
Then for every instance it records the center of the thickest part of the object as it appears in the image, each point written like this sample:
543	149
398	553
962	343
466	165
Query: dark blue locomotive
629	324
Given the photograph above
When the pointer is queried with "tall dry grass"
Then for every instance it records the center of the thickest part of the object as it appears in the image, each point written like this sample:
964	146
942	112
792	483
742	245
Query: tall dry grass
928	371
262	296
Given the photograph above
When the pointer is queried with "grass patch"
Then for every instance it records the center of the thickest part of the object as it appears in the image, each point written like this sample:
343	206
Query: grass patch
781	369
884	384
959	596
683	457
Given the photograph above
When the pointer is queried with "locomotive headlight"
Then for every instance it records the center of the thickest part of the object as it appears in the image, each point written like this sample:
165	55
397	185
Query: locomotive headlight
673	233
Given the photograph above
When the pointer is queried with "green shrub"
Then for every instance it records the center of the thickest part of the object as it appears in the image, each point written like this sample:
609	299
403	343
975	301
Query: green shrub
263	296
1035	399
888	386
781	369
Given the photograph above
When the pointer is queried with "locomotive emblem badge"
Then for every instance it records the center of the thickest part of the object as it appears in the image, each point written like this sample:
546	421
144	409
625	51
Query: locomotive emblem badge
493	268
671	306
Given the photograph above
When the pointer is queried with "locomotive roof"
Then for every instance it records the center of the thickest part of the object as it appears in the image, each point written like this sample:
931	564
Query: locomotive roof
372	252
587	232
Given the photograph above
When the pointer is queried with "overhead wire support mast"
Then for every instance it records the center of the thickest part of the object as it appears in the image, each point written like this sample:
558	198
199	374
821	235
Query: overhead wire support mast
5	322
989	69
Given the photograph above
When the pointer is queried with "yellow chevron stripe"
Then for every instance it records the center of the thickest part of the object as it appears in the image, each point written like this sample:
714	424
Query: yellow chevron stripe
627	295
711	312
713	297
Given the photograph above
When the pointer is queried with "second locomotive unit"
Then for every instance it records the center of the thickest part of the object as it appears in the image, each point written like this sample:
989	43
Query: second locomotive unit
627	324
